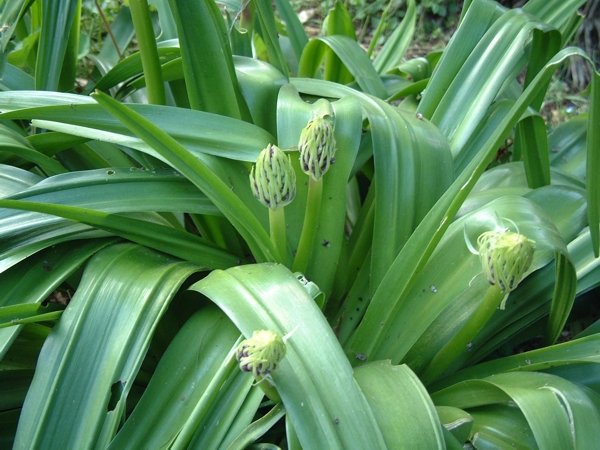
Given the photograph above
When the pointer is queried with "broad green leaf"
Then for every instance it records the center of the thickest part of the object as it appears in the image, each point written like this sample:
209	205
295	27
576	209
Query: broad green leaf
351	54
14	79
567	145
33	280
533	142
460	93
198	173
558	412
122	31
111	191
12	11
404	147
208	68
315	381
13	180
456	421
593	160
419	247
132	286
183	374
165	238
57	18
554	12
393	391
11	142
270	36
577	351
500	425
337	23
197	131
395	46
292	115
295	30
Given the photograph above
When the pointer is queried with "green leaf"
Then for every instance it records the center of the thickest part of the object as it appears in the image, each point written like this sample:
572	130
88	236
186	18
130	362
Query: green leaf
181	378
456	421
395	46
270	36
198	173
12	142
593	160
558	412
160	237
197	131
409	263
392	391
532	140
567	145
577	351
57	18
208	68
295	29
315	381
351	55
338	23
130	285
467	80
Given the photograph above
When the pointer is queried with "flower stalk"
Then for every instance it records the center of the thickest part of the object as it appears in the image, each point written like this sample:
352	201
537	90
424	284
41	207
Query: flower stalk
317	149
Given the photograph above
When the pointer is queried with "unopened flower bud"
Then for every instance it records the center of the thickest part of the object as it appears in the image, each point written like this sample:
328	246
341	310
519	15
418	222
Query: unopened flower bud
262	353
317	147
505	256
272	179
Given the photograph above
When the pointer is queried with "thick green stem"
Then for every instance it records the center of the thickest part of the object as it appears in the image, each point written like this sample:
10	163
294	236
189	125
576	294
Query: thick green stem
461	340
142	22
278	232
309	228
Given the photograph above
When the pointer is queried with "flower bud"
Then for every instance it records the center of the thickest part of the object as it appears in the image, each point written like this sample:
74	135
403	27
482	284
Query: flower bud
505	257
317	147
262	353
272	179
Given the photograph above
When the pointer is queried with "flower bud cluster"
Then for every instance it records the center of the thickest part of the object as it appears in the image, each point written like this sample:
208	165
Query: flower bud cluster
272	179
317	147
262	353
505	256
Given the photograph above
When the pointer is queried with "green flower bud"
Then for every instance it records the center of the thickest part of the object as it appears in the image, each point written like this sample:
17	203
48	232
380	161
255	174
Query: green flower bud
272	178
262	353
505	256
317	147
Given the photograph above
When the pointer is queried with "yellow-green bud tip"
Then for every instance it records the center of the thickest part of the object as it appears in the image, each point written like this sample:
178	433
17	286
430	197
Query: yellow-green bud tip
262	353
317	147
272	179
505	256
